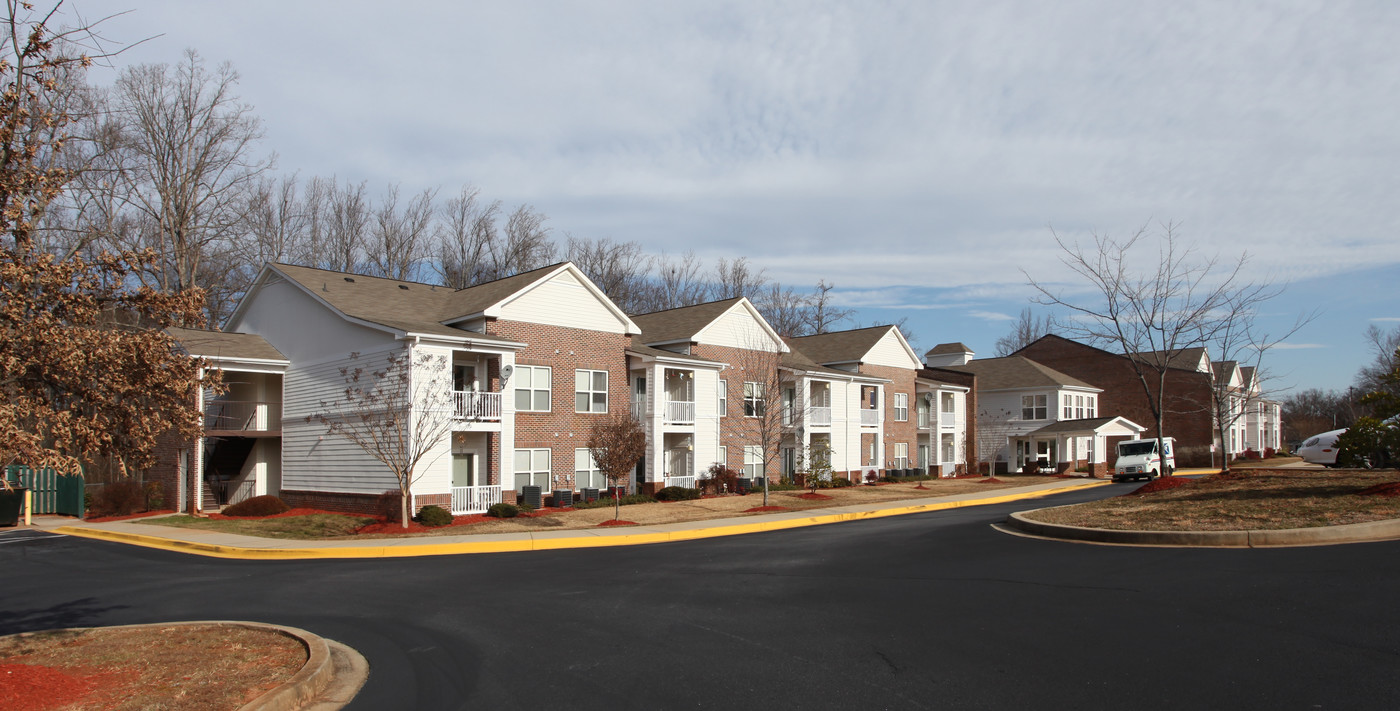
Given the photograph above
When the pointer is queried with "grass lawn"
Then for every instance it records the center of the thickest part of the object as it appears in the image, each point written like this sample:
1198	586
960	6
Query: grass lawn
329	526
1254	499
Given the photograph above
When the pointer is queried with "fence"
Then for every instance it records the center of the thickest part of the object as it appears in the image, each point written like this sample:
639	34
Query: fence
51	492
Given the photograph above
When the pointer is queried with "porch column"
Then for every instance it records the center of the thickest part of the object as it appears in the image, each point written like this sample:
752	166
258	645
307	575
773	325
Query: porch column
506	465
196	467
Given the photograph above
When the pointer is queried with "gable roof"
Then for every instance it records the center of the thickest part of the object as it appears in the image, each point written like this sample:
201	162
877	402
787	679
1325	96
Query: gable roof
1016	373
416	308
1092	424
795	359
218	344
948	349
1184	359
682	323
848	346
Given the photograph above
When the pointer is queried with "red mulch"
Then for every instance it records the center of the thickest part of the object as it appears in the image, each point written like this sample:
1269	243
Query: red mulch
810	495
1387	489
990	480
921	486
390	527
617	523
771	508
144	514
30	686
1162	484
285	514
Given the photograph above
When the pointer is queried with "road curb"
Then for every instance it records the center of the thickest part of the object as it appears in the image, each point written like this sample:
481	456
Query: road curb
321	671
1387	530
582	539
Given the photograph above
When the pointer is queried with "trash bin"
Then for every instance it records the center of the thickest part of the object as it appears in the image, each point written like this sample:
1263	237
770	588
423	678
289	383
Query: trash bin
11	506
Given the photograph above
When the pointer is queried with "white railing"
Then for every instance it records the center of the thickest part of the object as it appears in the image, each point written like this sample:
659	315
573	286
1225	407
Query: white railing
242	415
476	406
474	499
680	411
639	411
682	481
869	417
819	416
948	419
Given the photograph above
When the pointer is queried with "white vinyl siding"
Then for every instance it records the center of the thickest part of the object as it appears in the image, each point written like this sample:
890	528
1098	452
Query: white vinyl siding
590	391
586	472
888	351
532	468
563	301
532	388
737	328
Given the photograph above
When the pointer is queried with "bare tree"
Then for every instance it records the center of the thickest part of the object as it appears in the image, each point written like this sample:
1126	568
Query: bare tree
617	443
785	310
399	237
618	268
678	282
822	314
736	278
465	238
1027	329
394	412
347	226
766	420
1373	376
1184	301
994	428
525	246
186	152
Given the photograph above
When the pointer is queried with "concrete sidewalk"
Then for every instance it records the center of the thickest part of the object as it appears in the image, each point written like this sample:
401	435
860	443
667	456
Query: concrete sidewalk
228	545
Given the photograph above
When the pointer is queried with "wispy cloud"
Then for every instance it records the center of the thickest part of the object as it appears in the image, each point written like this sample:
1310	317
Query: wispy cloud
1298	346
1387	319
991	316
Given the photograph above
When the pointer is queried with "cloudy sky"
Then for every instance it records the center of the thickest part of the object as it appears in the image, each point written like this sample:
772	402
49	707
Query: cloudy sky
917	154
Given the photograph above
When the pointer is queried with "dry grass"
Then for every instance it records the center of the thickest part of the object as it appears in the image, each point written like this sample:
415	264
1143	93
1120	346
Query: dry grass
171	667
1258	499
329	527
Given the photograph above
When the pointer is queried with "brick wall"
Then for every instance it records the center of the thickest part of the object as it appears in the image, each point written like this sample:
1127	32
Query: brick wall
1186	413
561	430
969	381
735	430
896	432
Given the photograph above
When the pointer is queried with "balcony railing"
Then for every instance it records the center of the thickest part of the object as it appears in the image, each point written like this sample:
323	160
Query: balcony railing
948	419
474	406
687	482
474	499
680	412
819	416
243	416
869	418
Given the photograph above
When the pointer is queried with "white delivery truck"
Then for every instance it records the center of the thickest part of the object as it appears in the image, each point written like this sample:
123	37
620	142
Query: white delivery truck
1139	459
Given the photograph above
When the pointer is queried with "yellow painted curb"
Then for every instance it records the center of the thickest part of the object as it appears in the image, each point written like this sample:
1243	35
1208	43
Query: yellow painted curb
541	544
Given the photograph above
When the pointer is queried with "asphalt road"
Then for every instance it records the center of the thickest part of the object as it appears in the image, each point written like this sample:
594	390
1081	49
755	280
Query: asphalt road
925	611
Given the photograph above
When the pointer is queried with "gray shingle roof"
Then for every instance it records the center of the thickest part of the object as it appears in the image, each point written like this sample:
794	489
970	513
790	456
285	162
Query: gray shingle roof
1012	372
948	348
217	344
1068	426
840	346
680	324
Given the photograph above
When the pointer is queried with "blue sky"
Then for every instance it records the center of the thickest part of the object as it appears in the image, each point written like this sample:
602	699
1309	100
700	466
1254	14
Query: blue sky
916	154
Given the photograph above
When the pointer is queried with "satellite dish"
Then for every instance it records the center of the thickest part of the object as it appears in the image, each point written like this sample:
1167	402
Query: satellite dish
506	371
928	397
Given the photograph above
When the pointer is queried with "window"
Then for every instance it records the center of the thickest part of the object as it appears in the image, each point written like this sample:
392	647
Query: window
586	472
1069	408
1090	403
532	468
590	391
789	406
723	398
753	399
723	457
753	461
1079	407
901	407
901	454
532	388
1033	407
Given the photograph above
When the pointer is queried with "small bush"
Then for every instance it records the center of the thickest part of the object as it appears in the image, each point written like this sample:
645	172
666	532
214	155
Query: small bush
1269	452
776	486
257	506
607	502
841	482
503	510
872	477
677	493
722	480
388	507
431	515
119	498
155	495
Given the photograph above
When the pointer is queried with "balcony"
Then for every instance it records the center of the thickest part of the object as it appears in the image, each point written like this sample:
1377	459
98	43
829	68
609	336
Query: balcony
474	406
948	419
923	418
243	416
639	411
680	412
869	418
819	416
474	499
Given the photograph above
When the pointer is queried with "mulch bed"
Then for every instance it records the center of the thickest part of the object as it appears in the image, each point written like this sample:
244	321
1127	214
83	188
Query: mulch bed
813	497
29	686
1390	489
758	509
1160	484
616	523
990	480
143	514
284	514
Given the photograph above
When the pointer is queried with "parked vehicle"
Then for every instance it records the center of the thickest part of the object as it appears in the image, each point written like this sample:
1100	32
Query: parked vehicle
1139	459
1321	448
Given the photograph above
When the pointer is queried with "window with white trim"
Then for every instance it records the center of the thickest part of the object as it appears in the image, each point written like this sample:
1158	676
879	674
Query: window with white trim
901	455
753	399
1090	406
723	398
587	475
723	457
532	468
1068	408
901	407
1033	407
1079	407
532	386
753	461
590	391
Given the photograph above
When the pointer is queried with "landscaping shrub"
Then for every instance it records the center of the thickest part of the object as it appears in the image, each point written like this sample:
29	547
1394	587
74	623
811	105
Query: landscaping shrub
841	482
155	495
503	510
257	506
722	480
119	498
387	506
677	493
607	502
774	486
872	477
431	515
1269	452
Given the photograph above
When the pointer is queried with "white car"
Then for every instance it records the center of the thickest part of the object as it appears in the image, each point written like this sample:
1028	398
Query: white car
1321	449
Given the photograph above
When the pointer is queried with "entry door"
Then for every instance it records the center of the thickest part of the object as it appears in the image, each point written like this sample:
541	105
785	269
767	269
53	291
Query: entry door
789	462
464	470
1045	453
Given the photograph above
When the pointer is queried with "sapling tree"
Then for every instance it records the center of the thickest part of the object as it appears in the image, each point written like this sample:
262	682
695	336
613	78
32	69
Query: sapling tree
616	443
399	411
